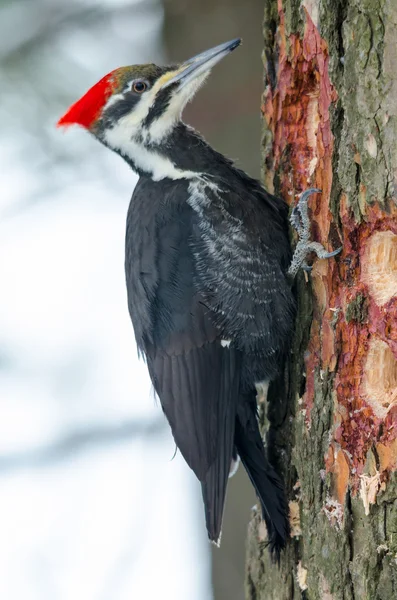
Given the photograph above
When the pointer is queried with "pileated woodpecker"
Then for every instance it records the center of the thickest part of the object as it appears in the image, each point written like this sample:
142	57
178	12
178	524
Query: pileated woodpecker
207	254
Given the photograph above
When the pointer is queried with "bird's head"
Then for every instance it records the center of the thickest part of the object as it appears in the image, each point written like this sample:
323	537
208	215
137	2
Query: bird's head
141	104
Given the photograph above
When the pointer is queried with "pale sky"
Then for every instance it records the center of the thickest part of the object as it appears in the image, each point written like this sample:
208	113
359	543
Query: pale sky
114	518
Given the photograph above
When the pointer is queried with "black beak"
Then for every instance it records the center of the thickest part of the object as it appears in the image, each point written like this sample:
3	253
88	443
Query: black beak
201	63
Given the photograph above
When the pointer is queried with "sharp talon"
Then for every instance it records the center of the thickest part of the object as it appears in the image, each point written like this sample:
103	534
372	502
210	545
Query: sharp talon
308	193
329	254
334	253
320	250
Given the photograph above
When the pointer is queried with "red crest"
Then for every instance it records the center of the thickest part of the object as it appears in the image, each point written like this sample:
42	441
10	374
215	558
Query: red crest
85	111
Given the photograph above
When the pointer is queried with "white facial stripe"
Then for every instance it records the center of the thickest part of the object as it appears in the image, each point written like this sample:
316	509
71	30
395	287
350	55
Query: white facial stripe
113	100
160	167
116	97
124	135
141	110
159	129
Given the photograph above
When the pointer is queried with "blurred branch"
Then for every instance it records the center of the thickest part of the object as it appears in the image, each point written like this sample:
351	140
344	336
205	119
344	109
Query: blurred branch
80	441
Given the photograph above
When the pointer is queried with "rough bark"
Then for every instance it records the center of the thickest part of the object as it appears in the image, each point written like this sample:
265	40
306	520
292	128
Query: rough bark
330	121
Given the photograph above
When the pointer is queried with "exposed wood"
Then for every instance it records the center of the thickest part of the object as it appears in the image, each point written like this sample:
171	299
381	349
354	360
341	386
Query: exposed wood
330	121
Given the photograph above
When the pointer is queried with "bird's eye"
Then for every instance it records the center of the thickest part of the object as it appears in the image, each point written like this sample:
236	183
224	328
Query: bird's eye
139	86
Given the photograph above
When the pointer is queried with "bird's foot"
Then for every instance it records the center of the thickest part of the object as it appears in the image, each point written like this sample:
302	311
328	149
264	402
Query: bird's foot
301	223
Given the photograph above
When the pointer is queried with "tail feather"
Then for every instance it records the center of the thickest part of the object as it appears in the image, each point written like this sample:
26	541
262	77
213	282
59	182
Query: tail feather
215	481
267	483
214	495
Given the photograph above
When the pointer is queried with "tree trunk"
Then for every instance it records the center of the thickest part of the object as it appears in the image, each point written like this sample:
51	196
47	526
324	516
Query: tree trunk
330	121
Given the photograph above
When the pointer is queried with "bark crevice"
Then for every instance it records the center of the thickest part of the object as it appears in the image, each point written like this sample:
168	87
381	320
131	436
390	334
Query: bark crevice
330	121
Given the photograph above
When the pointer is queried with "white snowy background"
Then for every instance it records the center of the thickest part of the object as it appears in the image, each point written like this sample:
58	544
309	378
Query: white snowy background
92	506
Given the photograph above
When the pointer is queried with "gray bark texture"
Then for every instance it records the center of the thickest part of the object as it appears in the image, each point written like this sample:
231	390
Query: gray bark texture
330	121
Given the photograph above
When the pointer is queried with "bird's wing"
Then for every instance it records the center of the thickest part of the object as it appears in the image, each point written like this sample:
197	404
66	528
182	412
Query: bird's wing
240	259
194	375
198	388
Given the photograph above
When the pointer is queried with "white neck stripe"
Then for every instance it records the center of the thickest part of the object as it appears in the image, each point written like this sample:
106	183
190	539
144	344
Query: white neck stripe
148	161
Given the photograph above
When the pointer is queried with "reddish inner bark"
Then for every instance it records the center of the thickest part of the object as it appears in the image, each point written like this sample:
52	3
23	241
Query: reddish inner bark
348	316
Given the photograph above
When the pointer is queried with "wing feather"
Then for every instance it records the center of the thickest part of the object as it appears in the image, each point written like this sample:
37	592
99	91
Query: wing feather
195	378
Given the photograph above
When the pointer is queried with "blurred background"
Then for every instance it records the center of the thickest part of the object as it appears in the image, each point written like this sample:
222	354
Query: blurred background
92	504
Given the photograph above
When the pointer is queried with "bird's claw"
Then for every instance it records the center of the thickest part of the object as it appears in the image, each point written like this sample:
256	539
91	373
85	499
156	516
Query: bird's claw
331	254
320	251
307	268
300	221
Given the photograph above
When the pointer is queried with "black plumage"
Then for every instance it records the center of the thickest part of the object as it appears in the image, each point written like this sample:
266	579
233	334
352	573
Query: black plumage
207	254
206	261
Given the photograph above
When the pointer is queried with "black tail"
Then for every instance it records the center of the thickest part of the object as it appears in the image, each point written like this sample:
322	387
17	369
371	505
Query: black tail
264	478
215	483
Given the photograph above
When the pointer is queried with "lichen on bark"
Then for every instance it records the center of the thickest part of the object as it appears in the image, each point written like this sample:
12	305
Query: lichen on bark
330	121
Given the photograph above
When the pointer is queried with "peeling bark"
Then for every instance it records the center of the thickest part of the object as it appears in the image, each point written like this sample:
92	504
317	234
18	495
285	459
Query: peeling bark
330	121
